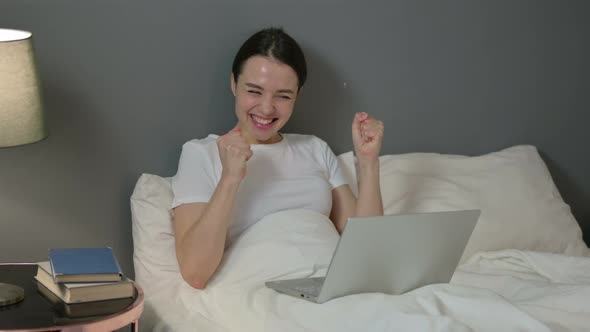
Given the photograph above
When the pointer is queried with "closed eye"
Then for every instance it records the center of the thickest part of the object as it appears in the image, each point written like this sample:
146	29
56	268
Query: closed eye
285	97
254	92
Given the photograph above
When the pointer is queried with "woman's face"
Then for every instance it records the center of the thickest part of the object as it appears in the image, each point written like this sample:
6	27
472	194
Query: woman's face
265	95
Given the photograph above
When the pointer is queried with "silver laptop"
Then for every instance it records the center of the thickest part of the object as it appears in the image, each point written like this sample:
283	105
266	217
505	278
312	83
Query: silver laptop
390	254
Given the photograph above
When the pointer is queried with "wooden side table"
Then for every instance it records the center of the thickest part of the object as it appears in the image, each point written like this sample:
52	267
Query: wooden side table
38	312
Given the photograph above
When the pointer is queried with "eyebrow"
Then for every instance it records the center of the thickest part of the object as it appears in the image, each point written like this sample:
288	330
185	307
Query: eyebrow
256	86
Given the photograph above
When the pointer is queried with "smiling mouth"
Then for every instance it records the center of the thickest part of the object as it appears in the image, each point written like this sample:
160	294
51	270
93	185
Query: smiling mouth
262	122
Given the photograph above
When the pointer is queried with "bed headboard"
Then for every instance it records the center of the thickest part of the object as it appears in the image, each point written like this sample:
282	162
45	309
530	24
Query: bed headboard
127	82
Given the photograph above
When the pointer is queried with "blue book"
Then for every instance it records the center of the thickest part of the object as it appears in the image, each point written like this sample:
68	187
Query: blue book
84	265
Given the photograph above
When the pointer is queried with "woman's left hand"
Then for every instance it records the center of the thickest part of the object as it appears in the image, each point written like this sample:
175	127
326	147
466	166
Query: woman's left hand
367	136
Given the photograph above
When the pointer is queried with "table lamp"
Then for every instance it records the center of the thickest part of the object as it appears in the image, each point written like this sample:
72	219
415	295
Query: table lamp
21	114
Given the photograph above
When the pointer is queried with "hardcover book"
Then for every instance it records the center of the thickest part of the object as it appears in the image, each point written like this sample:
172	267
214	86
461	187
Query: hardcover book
64	312
84	265
83	292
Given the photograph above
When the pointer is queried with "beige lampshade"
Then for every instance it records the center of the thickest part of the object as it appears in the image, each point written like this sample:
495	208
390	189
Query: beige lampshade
21	108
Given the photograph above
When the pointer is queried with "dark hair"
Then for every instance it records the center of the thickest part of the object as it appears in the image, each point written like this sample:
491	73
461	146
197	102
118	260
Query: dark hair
274	43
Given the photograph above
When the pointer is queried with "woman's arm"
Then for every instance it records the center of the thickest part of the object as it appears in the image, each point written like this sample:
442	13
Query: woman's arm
369	202
367	135
200	228
200	232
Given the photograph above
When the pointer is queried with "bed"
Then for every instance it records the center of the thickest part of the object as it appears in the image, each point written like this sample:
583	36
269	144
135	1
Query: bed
525	268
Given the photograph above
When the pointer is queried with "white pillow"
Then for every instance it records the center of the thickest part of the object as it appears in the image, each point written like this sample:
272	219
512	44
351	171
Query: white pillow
521	206
154	255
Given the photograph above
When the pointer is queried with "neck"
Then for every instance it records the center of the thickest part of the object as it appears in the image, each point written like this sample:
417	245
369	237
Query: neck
275	139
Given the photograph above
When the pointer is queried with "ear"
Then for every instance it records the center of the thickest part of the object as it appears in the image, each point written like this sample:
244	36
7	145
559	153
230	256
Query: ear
233	84
299	90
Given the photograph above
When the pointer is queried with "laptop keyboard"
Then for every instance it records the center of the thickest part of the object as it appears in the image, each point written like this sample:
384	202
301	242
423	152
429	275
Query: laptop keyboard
310	286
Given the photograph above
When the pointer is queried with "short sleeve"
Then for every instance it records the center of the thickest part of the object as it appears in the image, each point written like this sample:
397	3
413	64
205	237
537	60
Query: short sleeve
335	173
196	178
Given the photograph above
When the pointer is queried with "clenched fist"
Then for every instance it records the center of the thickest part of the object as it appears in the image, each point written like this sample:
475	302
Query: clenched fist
234	153
367	136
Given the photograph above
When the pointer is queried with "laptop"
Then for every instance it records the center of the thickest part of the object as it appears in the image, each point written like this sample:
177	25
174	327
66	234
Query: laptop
390	254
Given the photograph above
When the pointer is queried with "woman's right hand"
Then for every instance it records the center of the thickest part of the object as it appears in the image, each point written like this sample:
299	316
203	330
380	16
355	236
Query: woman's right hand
234	152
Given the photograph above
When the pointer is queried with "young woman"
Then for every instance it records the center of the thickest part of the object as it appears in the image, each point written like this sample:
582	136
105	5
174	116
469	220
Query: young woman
227	183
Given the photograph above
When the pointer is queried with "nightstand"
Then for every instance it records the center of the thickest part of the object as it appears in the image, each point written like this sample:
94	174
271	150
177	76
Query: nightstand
38	312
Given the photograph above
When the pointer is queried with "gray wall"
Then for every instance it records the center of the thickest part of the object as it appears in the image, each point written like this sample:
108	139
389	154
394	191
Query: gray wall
127	82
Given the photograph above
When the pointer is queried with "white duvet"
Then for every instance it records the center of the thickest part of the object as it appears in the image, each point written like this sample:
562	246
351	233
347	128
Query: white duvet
506	290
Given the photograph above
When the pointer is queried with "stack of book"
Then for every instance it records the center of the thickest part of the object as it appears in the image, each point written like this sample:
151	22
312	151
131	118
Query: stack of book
79	275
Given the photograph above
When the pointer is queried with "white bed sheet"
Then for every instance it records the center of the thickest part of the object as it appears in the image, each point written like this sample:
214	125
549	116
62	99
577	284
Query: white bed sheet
507	290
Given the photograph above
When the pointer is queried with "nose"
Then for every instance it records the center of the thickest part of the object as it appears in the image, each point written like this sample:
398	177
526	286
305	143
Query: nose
266	106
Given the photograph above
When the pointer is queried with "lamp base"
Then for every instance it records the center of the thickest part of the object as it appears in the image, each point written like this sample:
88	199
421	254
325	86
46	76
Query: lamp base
10	294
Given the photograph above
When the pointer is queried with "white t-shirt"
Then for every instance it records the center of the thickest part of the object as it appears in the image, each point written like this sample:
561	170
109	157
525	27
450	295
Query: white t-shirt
300	171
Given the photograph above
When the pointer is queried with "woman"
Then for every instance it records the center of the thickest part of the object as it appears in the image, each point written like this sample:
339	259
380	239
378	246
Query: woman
225	184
